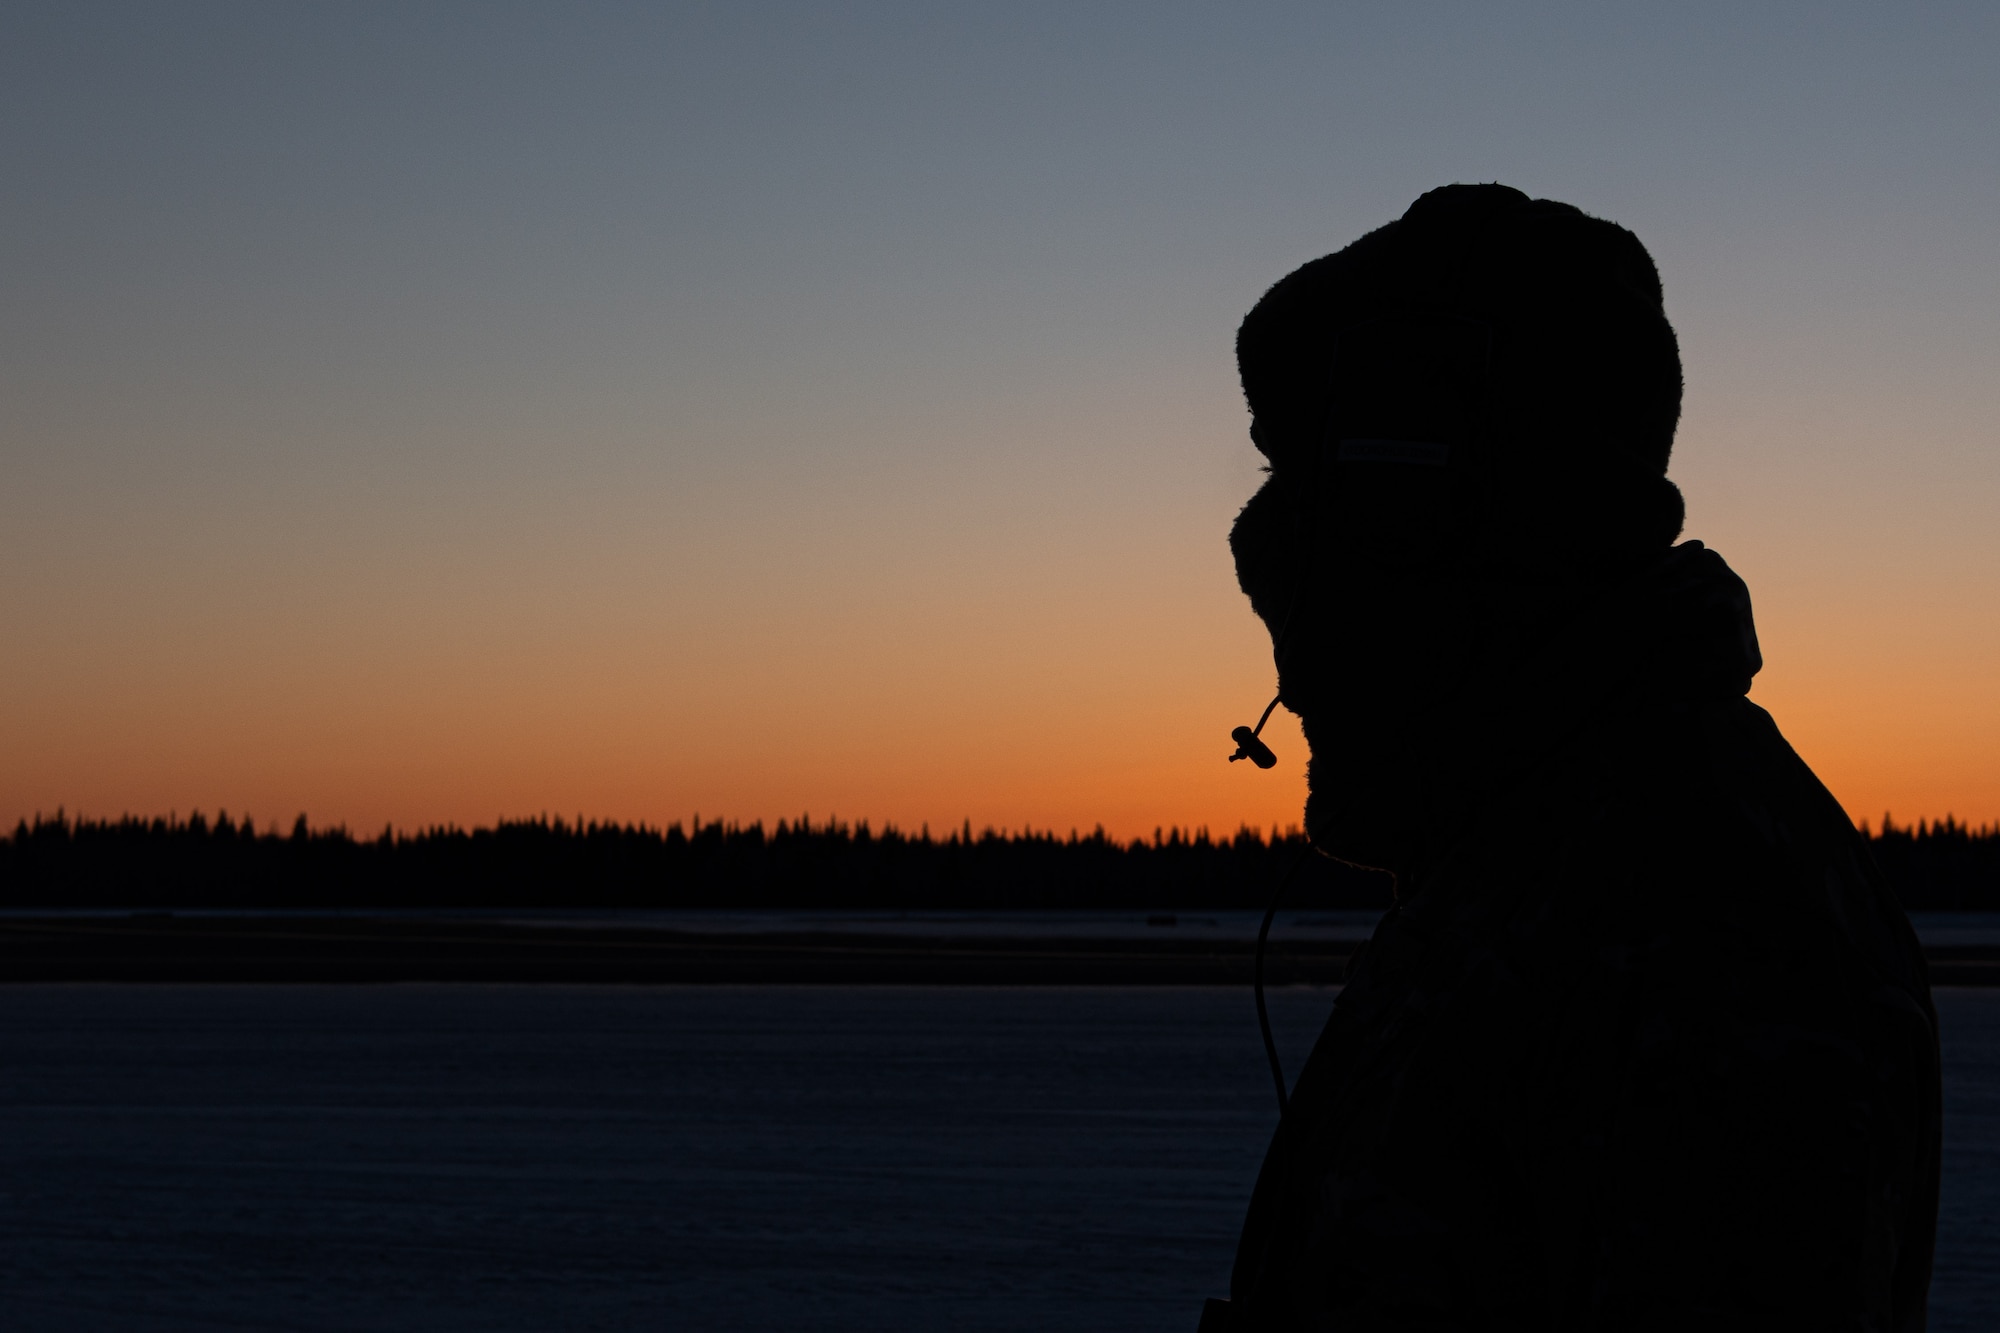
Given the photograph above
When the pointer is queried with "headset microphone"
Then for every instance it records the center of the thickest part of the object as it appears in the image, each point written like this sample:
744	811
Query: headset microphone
1249	747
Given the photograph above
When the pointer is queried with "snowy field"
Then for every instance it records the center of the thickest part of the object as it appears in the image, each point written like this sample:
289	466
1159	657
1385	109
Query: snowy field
704	1158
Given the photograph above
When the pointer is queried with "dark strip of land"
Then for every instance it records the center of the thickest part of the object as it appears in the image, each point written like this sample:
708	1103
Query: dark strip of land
158	947
162	947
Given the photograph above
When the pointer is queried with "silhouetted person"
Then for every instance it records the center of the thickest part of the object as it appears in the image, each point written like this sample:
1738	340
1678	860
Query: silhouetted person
1646	1042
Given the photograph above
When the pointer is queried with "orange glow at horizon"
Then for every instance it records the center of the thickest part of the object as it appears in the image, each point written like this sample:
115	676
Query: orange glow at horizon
481	662
617	718
671	666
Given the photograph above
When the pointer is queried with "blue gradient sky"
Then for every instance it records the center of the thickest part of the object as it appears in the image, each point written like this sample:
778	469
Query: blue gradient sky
436	412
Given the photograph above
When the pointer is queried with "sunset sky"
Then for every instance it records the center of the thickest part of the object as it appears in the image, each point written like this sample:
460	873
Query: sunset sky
418	413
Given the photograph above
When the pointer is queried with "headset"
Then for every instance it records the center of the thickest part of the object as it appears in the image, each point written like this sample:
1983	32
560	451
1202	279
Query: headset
1408	390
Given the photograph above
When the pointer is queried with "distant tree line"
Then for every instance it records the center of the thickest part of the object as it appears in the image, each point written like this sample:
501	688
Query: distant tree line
199	862
1944	865
547	862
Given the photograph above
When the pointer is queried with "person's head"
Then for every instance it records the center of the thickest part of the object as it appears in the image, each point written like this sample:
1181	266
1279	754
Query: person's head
1467	416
